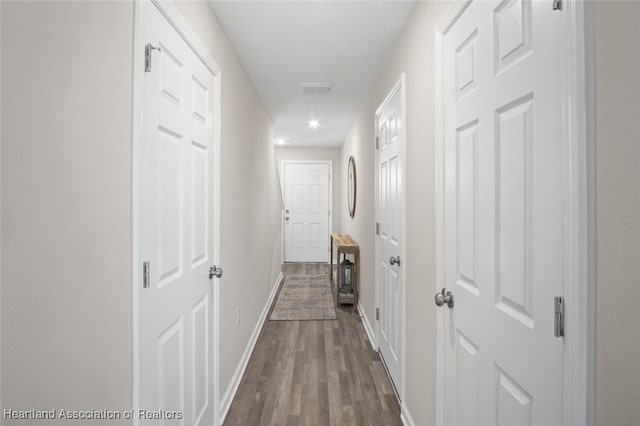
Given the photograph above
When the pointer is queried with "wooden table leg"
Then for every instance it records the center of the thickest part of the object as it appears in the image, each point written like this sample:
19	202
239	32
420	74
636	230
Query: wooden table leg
337	276
331	259
356	280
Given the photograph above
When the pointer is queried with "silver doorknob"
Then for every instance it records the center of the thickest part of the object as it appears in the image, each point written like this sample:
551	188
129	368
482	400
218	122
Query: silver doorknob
394	260
214	271
286	218
444	298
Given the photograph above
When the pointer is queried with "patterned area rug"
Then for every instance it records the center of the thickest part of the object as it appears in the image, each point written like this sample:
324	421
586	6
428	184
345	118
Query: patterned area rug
304	297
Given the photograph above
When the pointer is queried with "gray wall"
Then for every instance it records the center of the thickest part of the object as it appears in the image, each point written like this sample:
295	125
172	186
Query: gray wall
66	198
617	125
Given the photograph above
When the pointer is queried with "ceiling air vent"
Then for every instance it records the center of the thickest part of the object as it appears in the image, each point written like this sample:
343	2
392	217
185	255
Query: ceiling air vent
316	89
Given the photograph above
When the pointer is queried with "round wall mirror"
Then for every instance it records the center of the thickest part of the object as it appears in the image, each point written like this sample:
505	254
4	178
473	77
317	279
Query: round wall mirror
352	186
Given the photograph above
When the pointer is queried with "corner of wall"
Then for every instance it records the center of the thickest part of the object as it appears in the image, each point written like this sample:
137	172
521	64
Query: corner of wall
590	103
1	322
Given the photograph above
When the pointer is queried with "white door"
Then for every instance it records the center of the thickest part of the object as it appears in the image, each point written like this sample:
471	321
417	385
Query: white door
503	214
306	201
389	244
176	234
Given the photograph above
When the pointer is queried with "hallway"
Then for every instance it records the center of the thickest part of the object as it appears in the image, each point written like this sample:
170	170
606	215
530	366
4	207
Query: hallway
314	373
143	146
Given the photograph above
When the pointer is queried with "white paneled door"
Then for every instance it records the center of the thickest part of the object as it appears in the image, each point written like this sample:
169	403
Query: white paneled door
176	231
307	212
503	170
389	244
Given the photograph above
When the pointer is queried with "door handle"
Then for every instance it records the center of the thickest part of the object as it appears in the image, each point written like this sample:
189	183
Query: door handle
444	298
394	260
286	218
214	271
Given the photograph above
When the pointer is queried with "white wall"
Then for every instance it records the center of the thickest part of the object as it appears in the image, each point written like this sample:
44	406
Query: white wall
617	64
413	54
319	154
1	404
617	67
66	198
250	245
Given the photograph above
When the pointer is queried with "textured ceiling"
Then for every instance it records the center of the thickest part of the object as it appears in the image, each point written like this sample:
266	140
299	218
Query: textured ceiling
284	43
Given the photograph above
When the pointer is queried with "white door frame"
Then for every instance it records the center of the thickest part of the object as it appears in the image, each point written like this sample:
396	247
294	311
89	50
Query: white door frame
284	187
578	400
169	11
399	86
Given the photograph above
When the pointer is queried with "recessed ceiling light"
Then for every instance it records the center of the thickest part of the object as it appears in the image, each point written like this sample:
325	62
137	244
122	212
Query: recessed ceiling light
280	141
313	124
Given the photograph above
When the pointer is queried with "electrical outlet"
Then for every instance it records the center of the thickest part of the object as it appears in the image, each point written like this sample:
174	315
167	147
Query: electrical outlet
238	318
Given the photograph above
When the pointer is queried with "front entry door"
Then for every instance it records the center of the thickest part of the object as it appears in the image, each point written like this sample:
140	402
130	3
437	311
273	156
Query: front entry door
176	232
503	170
306	200
389	256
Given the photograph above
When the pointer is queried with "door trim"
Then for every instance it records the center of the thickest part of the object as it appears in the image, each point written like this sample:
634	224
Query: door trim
398	87
578	104
284	186
173	16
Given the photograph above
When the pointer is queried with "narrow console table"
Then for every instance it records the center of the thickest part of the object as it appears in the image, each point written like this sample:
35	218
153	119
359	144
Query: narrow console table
345	245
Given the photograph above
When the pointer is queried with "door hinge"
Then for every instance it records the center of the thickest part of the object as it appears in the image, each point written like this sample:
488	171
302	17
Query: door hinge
377	142
377	313
557	4
377	228
559	316
146	280
148	50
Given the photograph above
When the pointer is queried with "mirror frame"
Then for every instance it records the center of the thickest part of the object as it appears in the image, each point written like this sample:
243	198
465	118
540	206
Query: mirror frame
352	187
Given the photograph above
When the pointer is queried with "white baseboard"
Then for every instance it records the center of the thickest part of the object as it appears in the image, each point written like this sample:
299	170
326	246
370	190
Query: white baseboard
368	328
405	416
227	399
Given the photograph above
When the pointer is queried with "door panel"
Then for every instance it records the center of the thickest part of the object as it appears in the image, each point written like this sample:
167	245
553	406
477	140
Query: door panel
199	207
389	240
514	403
467	372
176	238
384	297
503	214
307	200
200	341
171	368
170	195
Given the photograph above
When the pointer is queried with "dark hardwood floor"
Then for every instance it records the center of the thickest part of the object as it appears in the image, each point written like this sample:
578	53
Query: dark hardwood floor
314	373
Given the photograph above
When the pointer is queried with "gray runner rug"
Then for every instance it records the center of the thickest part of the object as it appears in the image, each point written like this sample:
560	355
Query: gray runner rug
304	297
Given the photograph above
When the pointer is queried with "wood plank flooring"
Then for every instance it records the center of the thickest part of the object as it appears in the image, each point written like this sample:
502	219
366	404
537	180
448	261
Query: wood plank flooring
314	373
